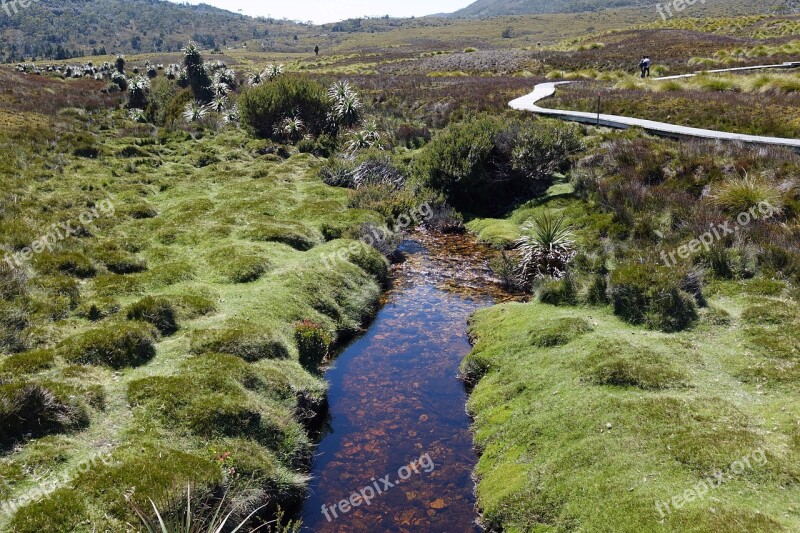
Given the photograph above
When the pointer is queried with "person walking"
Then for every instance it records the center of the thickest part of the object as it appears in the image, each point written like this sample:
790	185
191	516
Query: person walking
644	65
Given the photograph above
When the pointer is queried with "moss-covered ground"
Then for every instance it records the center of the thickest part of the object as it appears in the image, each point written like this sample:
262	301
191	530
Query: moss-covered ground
163	333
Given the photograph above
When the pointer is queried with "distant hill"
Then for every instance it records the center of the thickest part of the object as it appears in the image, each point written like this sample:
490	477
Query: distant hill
502	8
60	29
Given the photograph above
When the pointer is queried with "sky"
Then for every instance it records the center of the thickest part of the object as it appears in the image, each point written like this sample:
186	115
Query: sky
323	11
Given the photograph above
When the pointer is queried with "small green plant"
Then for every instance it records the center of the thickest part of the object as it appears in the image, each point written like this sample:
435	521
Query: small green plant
313	341
546	249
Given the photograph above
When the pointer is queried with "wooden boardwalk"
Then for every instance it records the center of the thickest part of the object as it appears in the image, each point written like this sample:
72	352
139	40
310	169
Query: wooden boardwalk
543	90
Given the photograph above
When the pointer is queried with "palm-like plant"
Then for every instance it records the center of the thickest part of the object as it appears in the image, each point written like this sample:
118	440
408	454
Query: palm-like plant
231	115
273	71
339	90
194	111
546	249
219	103
256	79
358	140
137	92
291	128
348	110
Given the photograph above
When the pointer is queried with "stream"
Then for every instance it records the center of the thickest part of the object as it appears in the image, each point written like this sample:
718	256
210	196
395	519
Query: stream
398	434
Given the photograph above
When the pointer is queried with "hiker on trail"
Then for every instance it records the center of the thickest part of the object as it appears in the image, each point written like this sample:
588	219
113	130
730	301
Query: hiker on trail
316	50
644	64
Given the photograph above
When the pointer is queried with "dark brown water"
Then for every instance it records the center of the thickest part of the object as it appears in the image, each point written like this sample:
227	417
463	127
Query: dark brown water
395	401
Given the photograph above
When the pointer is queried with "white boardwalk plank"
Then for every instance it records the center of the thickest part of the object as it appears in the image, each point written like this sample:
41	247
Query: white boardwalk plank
544	90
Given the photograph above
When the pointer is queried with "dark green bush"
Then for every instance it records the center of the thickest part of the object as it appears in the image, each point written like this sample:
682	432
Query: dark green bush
247	341
559	292
118	345
486	163
313	342
157	311
264	107
598	291
652	295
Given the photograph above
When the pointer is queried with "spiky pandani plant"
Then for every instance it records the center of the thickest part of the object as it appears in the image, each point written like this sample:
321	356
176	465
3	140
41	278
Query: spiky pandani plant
546	249
208	517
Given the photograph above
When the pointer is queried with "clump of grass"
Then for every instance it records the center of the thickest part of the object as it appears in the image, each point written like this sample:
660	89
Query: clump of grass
558	332
37	409
98	309
115	344
313	342
294	234
61	511
157	311
248	341
652	295
742	194
27	363
73	263
238	266
621	364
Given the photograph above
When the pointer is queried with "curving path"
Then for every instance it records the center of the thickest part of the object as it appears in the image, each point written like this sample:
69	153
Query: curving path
543	90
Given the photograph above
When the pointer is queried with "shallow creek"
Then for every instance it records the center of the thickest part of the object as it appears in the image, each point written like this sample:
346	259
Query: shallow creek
395	401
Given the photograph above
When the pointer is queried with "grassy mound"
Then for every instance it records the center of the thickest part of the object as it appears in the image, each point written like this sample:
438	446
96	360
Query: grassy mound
247	341
602	432
37	409
117	345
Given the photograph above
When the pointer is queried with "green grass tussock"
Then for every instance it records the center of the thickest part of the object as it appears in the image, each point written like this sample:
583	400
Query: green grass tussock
118	345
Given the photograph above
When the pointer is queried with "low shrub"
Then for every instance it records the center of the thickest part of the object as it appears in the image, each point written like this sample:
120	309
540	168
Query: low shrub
247	341
652	295
485	164
265	106
156	311
559	292
115	344
313	341
597	293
